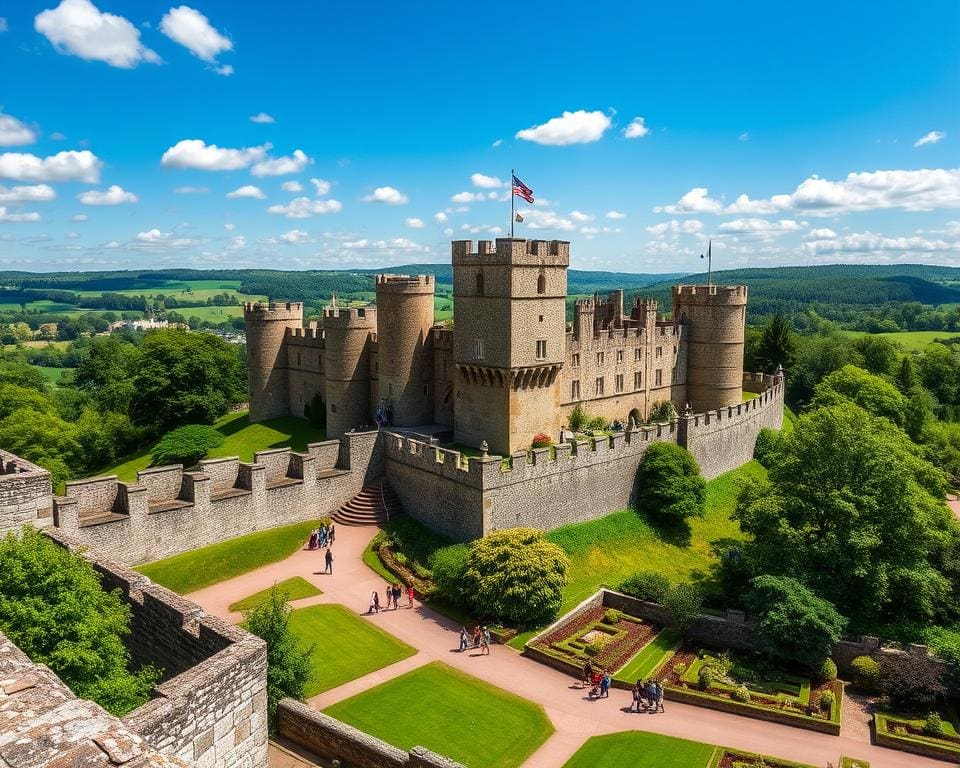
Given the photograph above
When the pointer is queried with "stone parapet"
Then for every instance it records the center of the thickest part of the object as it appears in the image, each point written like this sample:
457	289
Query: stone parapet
26	494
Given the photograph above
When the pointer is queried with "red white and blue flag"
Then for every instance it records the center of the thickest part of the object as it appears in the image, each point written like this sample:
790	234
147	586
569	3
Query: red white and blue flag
522	190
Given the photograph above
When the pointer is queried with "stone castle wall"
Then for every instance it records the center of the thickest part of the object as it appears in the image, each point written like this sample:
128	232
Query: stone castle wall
170	510
26	494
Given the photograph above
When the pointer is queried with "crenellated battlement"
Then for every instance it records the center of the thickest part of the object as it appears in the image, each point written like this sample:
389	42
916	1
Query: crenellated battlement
732	294
258	310
405	284
515	251
350	317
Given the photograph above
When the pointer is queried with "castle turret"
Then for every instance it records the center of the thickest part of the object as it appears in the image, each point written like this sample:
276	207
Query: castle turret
714	318
347	333
267	378
404	341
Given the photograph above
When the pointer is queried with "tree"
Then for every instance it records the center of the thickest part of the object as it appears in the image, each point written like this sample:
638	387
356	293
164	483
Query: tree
53	607
186	445
776	345
288	663
447	567
105	371
662	410
647	585
684	601
516	576
670	484
792	622
906	377
912	684
872	393
880	355
852	512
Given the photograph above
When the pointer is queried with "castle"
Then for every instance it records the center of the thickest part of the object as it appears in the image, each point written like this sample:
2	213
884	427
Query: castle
511	367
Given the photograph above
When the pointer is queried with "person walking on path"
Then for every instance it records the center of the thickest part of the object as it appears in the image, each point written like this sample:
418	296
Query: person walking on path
373	603
485	640
388	596
397	592
332	537
476	636
587	672
376	601
660	697
652	694
638	693
410	594
464	640
328	559
605	684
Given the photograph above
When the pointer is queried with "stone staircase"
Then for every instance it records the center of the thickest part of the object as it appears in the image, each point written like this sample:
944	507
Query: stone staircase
374	505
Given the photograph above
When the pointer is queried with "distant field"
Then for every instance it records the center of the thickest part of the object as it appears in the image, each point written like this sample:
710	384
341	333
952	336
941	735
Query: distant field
52	375
911	341
38	345
210	314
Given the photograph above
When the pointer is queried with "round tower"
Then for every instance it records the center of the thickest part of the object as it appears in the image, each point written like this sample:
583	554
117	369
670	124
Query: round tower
404	341
713	318
346	333
267	382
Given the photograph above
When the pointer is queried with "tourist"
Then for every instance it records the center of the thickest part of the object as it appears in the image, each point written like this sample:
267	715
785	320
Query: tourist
331	534
659	706
638	693
652	694
397	592
328	559
587	672
410	595
476	636
464	640
605	684
375	601
313	539
388	593
485	640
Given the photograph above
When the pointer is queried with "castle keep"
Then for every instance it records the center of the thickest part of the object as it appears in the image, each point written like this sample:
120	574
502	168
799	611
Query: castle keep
511	367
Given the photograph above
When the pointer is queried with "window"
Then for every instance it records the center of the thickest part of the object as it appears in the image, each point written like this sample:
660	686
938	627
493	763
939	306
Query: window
541	349
479	283
575	360
659	352
541	318
618	382
637	380
619	355
298	359
636	354
478	349
674	350
575	390
658	377
541	284
599	386
599	358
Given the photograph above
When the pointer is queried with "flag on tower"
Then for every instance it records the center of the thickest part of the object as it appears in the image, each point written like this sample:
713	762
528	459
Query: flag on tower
522	190
518	218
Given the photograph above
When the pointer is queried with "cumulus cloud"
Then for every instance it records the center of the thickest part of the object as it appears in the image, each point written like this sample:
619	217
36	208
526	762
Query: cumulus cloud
281	166
194	32
78	27
440	216
871	243
154	239
304	208
497	143
468	197
247	190
579	216
615	215
322	187
292	186
697	200
824	233
195	153
79	217
540	219
14	133
113	195
392	244
931	138
448	231
387	195
414	223
763	228
63	166
580	127
295	237
262	117
39	193
675	227
485	182
636	130
191	190
18	217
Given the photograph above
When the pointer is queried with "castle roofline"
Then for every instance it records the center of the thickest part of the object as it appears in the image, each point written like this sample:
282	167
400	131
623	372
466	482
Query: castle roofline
511	250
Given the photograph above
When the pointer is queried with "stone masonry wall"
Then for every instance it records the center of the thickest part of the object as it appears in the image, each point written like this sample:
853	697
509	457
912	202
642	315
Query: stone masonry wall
210	709
26	494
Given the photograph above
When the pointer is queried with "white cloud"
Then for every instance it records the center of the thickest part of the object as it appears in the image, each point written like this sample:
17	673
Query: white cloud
14	133
387	195
247	190
295	237
871	243
578	216
825	233
744	204
63	166
79	217
448	231
675	227
35	194
745	136
697	200
931	138
195	153
468	197
57	136
540	219
17	217
113	195
391	244
224	70
229	226
280	166
292	186
414	223
763	228
485	182
322	187
580	127
262	117
191	190
304	208
636	130
440	216
194	32
79	28
616	215
497	143
154	239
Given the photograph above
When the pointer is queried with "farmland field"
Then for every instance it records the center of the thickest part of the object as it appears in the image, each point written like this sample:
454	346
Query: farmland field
911	341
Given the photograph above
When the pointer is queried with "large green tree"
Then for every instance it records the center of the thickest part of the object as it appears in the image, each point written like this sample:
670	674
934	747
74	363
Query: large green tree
53	607
776	345
874	394
670	484
852	511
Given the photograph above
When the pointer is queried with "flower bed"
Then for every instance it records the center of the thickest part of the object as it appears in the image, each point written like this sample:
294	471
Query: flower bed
734	758
906	734
853	762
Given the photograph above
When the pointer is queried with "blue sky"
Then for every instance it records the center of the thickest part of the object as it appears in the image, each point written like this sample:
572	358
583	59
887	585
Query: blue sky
812	133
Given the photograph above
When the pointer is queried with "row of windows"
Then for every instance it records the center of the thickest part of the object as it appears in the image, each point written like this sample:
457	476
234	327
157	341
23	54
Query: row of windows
541	283
598	384
637	356
541	350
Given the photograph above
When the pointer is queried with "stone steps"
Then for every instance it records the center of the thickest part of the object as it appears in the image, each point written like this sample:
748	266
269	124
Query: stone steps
374	505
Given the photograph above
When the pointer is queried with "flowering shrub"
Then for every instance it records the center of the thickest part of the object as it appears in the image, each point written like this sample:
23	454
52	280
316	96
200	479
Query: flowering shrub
541	440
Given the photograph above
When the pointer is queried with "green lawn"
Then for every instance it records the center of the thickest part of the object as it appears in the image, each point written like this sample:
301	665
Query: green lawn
641	665
346	646
202	567
911	341
451	713
295	588
640	749
50	374
241	438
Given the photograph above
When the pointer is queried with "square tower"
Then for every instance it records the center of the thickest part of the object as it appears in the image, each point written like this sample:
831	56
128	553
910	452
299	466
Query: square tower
509	334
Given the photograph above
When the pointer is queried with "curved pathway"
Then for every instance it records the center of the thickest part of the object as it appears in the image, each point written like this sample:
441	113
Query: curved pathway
574	716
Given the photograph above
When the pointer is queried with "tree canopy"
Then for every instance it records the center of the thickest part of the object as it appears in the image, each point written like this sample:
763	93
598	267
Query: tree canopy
186	445
873	393
776	345
670	483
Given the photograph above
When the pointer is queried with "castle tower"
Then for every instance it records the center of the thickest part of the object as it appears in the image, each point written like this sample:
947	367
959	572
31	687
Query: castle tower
267	380
347	371
405	344
713	317
509	340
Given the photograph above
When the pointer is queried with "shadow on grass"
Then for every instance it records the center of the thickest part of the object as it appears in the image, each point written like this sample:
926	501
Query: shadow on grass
234	425
671	530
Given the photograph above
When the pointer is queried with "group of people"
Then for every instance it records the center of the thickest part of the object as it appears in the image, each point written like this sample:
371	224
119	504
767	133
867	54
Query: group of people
481	639
597	679
648	695
392	595
324	536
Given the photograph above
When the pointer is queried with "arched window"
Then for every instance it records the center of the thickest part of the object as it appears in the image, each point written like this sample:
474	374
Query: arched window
479	283
542	283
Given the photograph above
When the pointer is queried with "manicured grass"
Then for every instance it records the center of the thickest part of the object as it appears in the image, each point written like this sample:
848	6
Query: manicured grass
212	314
451	713
750	395
202	567
346	646
641	665
640	749
295	588
911	341
51	374
241	438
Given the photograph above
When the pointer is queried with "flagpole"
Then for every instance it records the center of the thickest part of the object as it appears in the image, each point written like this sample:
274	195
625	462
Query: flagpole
710	263
511	203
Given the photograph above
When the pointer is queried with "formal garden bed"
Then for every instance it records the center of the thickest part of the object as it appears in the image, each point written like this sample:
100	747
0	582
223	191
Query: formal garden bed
734	758
916	735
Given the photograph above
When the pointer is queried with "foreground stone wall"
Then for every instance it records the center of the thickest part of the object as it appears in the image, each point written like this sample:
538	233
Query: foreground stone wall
170	510
210	709
334	740
26	494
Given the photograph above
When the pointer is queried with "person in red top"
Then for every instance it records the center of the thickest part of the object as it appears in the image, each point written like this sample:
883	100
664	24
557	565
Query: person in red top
410	597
